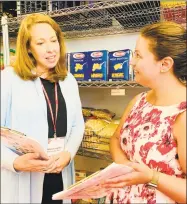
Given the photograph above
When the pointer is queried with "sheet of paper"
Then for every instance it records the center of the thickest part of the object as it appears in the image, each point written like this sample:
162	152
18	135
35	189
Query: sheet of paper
90	187
20	143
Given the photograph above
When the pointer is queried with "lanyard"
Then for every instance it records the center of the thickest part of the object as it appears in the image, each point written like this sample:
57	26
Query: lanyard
50	107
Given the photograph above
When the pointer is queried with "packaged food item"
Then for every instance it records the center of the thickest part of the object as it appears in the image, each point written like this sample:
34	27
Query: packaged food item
119	68
108	130
103	147
88	131
96	139
89	145
78	65
98	65
103	114
87	111
92	146
97	113
92	126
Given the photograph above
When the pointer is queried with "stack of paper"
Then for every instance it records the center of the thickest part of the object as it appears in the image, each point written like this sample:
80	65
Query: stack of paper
90	187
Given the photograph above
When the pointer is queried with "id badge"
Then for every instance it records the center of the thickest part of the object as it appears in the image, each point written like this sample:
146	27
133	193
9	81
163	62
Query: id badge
55	145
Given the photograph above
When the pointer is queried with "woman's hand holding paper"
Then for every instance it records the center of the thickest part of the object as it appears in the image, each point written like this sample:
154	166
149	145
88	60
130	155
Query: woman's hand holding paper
31	162
142	174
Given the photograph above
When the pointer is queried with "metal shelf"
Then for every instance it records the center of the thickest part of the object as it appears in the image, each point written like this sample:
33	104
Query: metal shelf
95	146
109	17
93	154
108	84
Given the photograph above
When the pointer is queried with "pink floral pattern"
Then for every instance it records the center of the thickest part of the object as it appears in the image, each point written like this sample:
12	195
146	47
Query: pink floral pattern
146	137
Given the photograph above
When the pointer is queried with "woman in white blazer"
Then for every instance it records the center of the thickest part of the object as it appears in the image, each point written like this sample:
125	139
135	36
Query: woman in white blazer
26	107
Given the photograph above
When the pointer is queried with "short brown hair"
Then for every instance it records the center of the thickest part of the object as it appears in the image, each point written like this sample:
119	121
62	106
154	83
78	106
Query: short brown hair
168	39
25	62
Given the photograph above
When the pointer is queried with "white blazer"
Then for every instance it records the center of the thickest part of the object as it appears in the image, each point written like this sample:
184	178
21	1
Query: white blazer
24	108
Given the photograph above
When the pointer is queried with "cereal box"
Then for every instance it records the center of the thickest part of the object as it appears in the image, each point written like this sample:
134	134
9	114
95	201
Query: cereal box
78	66
119	65
98	65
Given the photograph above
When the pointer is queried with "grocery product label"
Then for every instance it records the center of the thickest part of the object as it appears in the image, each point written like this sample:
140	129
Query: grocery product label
119	65
98	65
78	66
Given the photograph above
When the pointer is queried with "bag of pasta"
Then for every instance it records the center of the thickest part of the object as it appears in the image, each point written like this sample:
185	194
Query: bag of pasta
92	126
87	111
103	114
108	130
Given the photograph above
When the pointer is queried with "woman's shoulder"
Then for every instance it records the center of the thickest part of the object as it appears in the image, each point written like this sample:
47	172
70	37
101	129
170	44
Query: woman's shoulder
70	79
69	82
138	98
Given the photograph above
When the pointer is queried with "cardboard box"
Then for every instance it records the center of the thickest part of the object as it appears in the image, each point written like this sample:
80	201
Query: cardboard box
78	65
119	65
98	65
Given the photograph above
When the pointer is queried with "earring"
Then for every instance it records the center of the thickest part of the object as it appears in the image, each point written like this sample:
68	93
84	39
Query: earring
33	71
163	70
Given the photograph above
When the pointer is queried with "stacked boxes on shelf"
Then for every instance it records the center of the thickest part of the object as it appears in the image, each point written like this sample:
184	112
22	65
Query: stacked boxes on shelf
100	65
78	65
119	65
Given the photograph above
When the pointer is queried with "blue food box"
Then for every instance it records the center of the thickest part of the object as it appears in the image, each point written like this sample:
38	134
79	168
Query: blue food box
78	65
98	65
119	65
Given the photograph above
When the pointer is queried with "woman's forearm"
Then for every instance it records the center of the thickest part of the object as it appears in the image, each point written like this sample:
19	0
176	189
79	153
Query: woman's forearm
116	152
174	188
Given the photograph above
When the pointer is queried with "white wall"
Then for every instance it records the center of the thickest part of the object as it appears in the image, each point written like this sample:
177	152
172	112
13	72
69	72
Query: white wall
103	42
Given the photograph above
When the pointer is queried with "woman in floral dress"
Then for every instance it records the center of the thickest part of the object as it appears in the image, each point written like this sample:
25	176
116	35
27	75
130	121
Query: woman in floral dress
151	137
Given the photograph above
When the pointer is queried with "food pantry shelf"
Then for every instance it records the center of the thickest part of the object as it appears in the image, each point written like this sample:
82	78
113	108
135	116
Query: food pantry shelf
95	144
88	152
109	17
108	84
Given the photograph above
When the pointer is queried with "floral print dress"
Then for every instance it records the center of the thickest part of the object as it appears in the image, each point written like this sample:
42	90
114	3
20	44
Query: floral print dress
146	137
